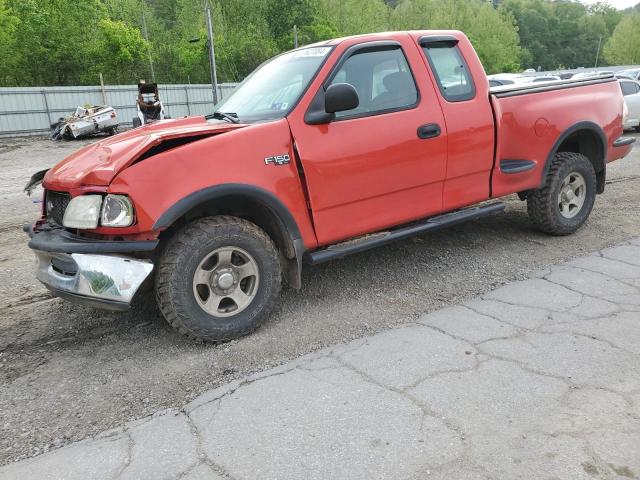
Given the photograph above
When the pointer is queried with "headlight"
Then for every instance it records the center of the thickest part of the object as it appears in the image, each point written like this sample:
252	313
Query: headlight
82	212
117	211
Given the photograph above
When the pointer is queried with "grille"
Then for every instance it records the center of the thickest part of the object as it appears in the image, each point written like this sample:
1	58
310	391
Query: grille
56	203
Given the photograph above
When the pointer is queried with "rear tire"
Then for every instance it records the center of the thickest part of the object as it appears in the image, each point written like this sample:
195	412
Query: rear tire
565	201
218	278
136	122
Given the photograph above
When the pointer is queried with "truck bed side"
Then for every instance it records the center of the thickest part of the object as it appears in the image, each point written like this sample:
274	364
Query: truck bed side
533	123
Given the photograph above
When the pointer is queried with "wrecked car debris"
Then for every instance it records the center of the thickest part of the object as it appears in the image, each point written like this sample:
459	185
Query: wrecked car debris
35	180
148	105
85	122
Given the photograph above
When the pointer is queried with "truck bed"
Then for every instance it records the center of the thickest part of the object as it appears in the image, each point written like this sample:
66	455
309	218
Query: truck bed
527	88
534	120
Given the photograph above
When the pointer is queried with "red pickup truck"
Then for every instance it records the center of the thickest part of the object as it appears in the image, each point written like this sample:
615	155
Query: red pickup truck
323	151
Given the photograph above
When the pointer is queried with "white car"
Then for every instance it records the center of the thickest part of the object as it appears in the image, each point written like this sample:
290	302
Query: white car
631	93
592	74
538	79
632	73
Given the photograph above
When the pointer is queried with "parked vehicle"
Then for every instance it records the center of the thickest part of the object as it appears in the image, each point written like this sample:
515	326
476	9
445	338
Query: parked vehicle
148	105
85	122
592	74
538	79
324	151
500	79
493	82
631	92
633	74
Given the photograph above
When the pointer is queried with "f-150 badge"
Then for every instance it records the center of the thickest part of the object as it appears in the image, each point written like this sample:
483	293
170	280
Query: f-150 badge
277	160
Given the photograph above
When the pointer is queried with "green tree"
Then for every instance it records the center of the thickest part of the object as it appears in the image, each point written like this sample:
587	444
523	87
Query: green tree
492	32
8	25
623	48
119	53
352	17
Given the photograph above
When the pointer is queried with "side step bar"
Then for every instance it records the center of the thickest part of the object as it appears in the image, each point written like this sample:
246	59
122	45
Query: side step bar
376	239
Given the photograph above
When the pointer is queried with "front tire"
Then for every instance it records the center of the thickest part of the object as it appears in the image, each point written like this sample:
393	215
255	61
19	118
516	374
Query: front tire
565	201
218	278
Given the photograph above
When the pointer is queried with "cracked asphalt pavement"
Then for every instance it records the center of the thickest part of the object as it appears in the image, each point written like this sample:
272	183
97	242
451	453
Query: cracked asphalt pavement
537	379
68	372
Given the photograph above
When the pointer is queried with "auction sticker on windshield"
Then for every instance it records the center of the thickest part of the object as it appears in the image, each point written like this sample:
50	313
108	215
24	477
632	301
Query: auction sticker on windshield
311	52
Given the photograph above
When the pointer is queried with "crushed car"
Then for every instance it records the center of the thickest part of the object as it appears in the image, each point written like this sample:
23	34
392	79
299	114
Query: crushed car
85	122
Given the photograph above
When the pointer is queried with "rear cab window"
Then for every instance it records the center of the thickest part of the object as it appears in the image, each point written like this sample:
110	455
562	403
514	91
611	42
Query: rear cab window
449	67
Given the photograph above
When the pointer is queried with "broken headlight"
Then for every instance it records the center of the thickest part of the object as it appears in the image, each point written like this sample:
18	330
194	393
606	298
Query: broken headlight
117	211
82	212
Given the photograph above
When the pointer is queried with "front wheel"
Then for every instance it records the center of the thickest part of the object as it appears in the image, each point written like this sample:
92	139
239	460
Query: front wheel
565	201
218	278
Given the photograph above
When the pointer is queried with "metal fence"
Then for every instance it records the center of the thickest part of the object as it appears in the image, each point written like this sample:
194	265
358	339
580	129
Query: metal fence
31	110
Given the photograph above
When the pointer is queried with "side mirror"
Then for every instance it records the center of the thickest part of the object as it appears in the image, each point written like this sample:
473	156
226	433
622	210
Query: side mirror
340	97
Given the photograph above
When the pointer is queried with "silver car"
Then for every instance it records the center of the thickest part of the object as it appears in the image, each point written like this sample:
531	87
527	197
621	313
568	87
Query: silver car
631	93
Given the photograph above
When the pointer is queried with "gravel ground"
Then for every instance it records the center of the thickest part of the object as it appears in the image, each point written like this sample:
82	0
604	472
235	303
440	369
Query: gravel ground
67	372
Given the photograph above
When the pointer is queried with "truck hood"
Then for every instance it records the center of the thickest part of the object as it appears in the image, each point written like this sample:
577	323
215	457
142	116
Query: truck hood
98	164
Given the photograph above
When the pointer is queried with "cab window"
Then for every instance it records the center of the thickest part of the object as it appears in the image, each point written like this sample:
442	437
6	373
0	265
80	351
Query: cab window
451	71
381	77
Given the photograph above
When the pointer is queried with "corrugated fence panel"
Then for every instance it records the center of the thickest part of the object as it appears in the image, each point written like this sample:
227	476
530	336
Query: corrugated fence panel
31	110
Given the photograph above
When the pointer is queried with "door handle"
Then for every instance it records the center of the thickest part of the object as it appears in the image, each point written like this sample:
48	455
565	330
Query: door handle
430	130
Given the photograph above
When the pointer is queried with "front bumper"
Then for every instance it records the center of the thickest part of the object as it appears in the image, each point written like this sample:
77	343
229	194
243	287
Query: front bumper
92	277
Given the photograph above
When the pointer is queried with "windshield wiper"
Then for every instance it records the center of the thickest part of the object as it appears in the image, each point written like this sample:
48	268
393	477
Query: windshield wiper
228	116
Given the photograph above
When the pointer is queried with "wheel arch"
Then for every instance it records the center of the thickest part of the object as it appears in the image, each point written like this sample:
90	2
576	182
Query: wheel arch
252	203
588	139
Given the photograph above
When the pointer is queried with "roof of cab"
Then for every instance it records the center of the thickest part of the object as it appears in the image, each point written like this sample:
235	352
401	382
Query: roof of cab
385	36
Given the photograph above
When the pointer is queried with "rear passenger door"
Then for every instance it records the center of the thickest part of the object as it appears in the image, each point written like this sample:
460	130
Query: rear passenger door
468	116
371	167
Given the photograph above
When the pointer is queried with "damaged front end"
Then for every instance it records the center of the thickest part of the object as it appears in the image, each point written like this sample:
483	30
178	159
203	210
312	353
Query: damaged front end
92	272
91	247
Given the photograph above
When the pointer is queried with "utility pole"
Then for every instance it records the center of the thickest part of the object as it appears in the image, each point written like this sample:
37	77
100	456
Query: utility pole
212	53
295	36
598	51
146	37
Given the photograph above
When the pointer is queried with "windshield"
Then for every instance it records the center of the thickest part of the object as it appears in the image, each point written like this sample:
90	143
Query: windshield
275	87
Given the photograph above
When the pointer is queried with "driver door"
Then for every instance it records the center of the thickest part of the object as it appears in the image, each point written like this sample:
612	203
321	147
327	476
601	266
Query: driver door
374	167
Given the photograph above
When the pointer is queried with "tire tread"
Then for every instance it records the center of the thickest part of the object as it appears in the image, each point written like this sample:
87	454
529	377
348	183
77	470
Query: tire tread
541	204
184	242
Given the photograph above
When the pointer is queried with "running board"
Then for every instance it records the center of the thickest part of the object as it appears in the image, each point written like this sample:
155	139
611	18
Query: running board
373	240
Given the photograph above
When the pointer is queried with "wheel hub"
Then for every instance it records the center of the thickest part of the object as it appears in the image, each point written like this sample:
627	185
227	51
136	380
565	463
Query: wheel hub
226	281
568	195
572	195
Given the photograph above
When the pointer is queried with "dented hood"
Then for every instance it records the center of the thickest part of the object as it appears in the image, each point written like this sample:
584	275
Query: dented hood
99	163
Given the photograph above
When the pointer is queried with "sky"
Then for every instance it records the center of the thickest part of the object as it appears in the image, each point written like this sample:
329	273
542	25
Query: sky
619	4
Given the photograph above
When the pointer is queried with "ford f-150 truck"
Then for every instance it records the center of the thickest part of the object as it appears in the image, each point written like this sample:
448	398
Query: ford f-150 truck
323	151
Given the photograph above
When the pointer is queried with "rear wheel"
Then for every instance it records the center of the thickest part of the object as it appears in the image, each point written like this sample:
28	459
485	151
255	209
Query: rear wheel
218	278
565	201
136	122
